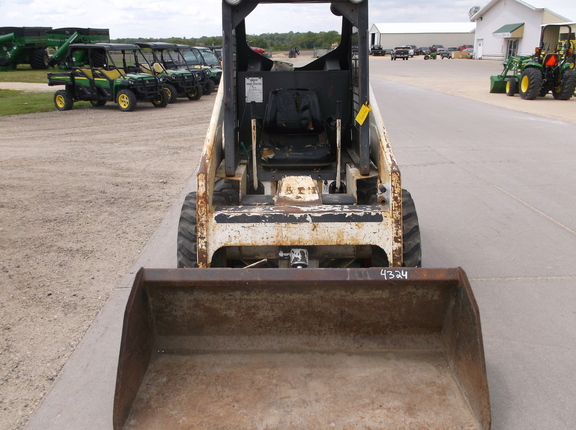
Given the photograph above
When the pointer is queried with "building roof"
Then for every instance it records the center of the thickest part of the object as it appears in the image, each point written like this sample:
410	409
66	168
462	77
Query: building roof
509	28
424	27
490	4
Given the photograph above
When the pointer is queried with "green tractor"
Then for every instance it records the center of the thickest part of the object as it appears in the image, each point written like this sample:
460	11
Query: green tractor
550	69
103	72
168	61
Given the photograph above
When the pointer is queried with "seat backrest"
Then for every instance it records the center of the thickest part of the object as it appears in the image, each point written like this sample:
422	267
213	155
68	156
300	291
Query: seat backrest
293	111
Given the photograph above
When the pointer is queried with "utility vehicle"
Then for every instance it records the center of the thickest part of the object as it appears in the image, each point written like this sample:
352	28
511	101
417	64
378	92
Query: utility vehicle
107	72
167	60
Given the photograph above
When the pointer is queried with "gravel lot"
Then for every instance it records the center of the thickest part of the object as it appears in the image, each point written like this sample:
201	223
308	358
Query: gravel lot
82	191
80	194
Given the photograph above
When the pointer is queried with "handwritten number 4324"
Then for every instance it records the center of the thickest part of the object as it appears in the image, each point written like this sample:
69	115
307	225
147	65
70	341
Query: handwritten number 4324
394	274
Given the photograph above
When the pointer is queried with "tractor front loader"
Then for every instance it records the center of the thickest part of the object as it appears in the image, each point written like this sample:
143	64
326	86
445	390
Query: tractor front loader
299	301
550	69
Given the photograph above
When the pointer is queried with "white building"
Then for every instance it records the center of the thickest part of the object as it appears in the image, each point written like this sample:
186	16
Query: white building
509	27
389	35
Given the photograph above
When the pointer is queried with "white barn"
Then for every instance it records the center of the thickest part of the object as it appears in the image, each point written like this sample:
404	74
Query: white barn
420	34
509	27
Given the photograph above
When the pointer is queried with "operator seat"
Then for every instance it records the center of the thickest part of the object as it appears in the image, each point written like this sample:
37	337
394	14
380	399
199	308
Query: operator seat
293	132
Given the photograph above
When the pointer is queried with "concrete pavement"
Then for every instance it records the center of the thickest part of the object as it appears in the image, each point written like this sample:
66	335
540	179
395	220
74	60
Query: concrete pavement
494	191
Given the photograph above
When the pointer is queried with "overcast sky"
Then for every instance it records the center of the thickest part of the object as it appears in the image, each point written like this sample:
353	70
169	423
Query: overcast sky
196	18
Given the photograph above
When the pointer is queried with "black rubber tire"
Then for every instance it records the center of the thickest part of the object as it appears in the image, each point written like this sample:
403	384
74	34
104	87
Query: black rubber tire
530	83
511	87
126	100
229	188
98	59
161	99
209	87
187	251
97	103
195	94
172	93
63	100
366	192
411	231
225	194
565	88
39	59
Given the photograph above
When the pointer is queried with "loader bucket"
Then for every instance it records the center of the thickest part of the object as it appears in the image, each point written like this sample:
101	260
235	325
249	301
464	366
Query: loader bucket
301	348
497	84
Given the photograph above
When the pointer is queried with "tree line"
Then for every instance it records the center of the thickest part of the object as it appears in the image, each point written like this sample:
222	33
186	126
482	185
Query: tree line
268	41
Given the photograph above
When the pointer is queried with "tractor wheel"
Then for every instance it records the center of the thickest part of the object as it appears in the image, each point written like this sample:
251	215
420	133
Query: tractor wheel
126	100
229	188
63	100
209	87
187	251
161	99
172	94
411	232
411	229
511	87
97	103
195	94
187	246
98	58
39	59
530	83
566	86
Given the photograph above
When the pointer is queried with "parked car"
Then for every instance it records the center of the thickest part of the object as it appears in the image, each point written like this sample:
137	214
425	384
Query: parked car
424	50
412	50
377	50
400	52
443	53
464	47
435	48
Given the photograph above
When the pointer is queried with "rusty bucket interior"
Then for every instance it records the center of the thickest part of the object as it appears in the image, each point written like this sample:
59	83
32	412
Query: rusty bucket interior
301	348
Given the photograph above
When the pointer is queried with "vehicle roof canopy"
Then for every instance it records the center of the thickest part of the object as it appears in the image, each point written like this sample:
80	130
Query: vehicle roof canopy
157	45
106	46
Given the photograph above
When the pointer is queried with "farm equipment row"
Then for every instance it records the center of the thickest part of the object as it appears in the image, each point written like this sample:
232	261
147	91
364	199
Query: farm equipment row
549	69
127	73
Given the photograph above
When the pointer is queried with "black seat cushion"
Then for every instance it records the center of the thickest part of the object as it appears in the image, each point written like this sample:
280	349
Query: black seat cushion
293	130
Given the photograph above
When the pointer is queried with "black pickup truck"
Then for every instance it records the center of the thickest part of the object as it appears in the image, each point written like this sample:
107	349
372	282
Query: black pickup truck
400	52
377	50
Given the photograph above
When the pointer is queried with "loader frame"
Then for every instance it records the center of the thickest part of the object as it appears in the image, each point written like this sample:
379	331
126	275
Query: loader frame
298	173
261	221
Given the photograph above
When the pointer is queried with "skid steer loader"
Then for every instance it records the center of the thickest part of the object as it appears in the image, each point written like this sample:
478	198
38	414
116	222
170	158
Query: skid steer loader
298	301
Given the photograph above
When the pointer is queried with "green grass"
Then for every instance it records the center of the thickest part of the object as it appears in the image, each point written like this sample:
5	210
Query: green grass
16	102
25	75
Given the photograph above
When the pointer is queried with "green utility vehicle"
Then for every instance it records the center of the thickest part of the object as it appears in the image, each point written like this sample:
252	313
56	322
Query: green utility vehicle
197	58
108	72
550	69
168	61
